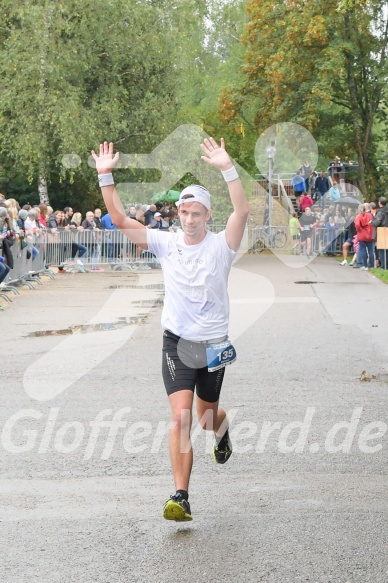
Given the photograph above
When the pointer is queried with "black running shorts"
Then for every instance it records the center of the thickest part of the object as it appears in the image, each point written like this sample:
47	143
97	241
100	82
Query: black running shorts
184	367
306	235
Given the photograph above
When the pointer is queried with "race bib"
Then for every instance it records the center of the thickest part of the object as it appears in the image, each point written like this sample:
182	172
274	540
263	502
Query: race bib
219	355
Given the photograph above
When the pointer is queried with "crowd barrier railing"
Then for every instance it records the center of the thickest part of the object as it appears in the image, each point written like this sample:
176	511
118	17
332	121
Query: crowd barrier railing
73	249
330	240
26	260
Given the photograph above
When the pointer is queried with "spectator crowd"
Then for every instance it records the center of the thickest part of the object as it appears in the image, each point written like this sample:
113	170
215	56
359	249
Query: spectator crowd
365	232
321	224
28	226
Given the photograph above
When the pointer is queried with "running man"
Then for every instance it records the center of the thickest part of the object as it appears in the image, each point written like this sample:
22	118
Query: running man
196	265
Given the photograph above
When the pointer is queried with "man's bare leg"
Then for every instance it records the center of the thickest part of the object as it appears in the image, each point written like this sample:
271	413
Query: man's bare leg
214	418
181	453
211	416
177	507
345	248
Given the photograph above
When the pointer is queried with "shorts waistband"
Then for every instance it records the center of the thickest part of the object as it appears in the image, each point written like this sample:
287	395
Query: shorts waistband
210	341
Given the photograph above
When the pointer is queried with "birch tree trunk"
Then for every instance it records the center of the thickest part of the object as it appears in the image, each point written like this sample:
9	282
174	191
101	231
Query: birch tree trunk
43	190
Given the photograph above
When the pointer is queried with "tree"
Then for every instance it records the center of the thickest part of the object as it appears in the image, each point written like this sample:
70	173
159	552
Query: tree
321	64
71	79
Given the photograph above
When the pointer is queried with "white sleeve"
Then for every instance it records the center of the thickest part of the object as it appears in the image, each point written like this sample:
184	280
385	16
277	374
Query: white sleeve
158	242
227	253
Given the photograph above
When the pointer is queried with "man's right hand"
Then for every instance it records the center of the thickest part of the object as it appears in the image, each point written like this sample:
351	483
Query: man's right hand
106	161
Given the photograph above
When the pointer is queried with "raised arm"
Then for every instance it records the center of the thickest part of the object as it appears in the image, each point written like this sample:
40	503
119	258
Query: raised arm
105	162
217	156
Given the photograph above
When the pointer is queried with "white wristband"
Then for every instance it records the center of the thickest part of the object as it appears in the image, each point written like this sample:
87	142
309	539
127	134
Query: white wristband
105	179
230	174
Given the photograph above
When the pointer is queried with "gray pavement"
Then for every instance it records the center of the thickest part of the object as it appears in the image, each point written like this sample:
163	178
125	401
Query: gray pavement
84	417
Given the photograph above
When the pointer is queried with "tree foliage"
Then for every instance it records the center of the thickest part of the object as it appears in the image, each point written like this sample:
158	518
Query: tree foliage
318	63
76	73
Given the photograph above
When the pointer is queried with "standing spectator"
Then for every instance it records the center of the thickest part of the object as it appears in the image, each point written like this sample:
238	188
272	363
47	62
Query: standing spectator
295	228
93	240
32	231
160	208
334	193
339	218
12	202
149	214
157	222
329	212
97	219
381	220
55	247
43	213
351	235
307	221
322	186
23	214
132	212
4	271
7	236
364	230
305	201
297	182
140	210
56	221
68	213
74	228
336	168
331	228
77	219
107	223
32	222
13	217
312	179
112	247
89	223
306	171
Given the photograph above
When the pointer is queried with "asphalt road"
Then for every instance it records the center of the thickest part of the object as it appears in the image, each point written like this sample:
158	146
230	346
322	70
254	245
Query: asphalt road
84	416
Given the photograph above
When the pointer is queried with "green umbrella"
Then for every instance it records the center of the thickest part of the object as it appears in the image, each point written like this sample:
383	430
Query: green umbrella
166	196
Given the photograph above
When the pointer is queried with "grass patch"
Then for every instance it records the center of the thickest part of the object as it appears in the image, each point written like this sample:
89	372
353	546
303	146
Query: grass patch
380	274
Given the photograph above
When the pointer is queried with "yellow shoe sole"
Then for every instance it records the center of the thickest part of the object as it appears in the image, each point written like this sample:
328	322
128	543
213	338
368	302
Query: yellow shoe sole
216	460
173	511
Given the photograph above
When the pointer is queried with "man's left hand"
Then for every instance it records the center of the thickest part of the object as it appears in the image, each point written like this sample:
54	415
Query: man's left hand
216	155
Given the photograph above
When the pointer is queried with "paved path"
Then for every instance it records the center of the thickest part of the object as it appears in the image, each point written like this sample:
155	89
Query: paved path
303	498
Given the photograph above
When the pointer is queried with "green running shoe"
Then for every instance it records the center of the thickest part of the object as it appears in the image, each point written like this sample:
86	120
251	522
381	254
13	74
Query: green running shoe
177	509
223	450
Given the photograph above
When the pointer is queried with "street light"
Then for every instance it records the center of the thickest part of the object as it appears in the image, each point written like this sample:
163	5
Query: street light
271	153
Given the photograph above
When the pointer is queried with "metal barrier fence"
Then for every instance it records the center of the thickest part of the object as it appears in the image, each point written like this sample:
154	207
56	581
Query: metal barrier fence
74	250
323	240
328	240
78	251
26	262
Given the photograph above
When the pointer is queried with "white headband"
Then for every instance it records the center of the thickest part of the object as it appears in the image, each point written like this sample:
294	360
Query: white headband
198	194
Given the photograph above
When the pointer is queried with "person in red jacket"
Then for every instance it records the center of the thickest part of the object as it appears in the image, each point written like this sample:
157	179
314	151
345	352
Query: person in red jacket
305	201
364	228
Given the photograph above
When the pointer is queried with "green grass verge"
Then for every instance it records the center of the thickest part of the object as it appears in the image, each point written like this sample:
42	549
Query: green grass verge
380	274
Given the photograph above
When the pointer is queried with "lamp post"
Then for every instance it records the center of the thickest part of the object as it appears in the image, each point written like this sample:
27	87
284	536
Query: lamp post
271	152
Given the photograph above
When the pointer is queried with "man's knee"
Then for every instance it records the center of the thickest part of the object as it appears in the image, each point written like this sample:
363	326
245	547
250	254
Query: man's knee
181	420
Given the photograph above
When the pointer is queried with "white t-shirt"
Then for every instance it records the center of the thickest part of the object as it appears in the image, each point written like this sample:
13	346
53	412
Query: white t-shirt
196	304
30	224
